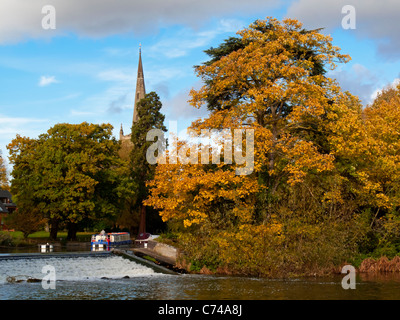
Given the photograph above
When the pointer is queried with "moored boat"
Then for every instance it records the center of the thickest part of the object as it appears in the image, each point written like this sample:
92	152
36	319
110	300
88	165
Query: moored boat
108	240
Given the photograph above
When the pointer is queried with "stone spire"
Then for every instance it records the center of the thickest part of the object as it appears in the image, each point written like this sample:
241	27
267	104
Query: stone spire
121	133
140	88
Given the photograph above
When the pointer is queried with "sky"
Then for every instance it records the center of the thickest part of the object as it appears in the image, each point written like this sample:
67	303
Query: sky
77	60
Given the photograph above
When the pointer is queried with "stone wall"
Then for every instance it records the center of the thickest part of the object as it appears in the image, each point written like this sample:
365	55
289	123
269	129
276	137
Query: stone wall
163	249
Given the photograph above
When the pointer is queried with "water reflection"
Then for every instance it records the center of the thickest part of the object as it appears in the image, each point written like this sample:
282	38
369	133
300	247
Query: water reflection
196	287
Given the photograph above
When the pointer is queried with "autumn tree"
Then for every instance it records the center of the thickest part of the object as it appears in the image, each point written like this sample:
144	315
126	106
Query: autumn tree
68	174
380	170
195	193
377	172
271	79
277	87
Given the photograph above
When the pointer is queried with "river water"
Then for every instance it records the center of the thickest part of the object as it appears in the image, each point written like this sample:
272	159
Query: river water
117	278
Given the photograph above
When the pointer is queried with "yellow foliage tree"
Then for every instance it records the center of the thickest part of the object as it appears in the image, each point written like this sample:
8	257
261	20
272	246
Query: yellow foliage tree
270	80
276	87
280	95
194	193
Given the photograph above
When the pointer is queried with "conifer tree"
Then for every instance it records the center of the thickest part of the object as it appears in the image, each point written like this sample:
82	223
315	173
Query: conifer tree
149	117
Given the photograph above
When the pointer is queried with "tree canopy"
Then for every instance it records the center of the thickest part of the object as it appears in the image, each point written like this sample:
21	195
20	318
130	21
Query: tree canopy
276	92
301	207
4	184
70	173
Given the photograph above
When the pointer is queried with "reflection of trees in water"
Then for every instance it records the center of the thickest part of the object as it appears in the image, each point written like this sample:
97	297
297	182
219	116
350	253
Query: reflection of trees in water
380	277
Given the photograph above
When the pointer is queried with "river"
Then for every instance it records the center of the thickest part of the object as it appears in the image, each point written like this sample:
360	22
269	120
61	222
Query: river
117	278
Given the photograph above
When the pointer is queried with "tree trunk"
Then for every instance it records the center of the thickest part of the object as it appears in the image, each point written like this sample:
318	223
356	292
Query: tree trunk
72	230
142	225
53	229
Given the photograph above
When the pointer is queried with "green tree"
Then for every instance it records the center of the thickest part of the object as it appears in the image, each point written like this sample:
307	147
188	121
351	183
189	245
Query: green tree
70	173
27	221
3	175
142	171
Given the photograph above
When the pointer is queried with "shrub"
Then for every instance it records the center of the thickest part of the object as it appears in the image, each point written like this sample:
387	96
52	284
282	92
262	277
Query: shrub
6	239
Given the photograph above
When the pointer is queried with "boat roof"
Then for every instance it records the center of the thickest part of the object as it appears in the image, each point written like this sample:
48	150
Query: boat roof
115	233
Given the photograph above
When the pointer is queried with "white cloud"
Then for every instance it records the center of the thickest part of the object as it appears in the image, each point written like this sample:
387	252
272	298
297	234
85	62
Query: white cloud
188	39
376	20
11	124
24	126
76	113
359	80
394	83
119	52
181	44
47	80
178	107
21	19
126	75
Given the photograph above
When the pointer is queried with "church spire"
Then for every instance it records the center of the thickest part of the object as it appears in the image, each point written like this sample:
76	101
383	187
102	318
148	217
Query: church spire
121	133
140	87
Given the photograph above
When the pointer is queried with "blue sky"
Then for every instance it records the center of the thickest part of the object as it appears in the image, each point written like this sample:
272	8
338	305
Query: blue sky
85	69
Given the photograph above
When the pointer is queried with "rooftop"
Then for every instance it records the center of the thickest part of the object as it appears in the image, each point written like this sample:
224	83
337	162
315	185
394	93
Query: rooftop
5	194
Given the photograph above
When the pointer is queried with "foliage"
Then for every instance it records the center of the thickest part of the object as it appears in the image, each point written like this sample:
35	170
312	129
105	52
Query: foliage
4	185
6	239
196	193
299	210
150	118
27	222
141	170
324	188
70	173
279	250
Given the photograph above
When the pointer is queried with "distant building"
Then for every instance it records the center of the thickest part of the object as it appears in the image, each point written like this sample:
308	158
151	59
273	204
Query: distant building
126	143
139	94
6	207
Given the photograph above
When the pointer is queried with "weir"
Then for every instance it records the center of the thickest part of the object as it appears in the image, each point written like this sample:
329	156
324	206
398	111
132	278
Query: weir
17	256
78	266
131	256
128	254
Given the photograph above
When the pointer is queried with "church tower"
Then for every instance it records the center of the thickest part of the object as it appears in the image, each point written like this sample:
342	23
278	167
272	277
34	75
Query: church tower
140	87
139	94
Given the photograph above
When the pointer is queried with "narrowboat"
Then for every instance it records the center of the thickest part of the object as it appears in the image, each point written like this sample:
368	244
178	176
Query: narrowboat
112	239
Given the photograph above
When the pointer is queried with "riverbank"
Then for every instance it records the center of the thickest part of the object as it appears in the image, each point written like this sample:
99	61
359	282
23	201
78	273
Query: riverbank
366	265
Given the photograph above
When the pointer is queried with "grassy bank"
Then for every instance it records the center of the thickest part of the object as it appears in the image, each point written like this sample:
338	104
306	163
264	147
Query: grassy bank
16	239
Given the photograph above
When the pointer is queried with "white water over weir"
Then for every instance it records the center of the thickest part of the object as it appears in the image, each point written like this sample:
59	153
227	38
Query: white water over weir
71	267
